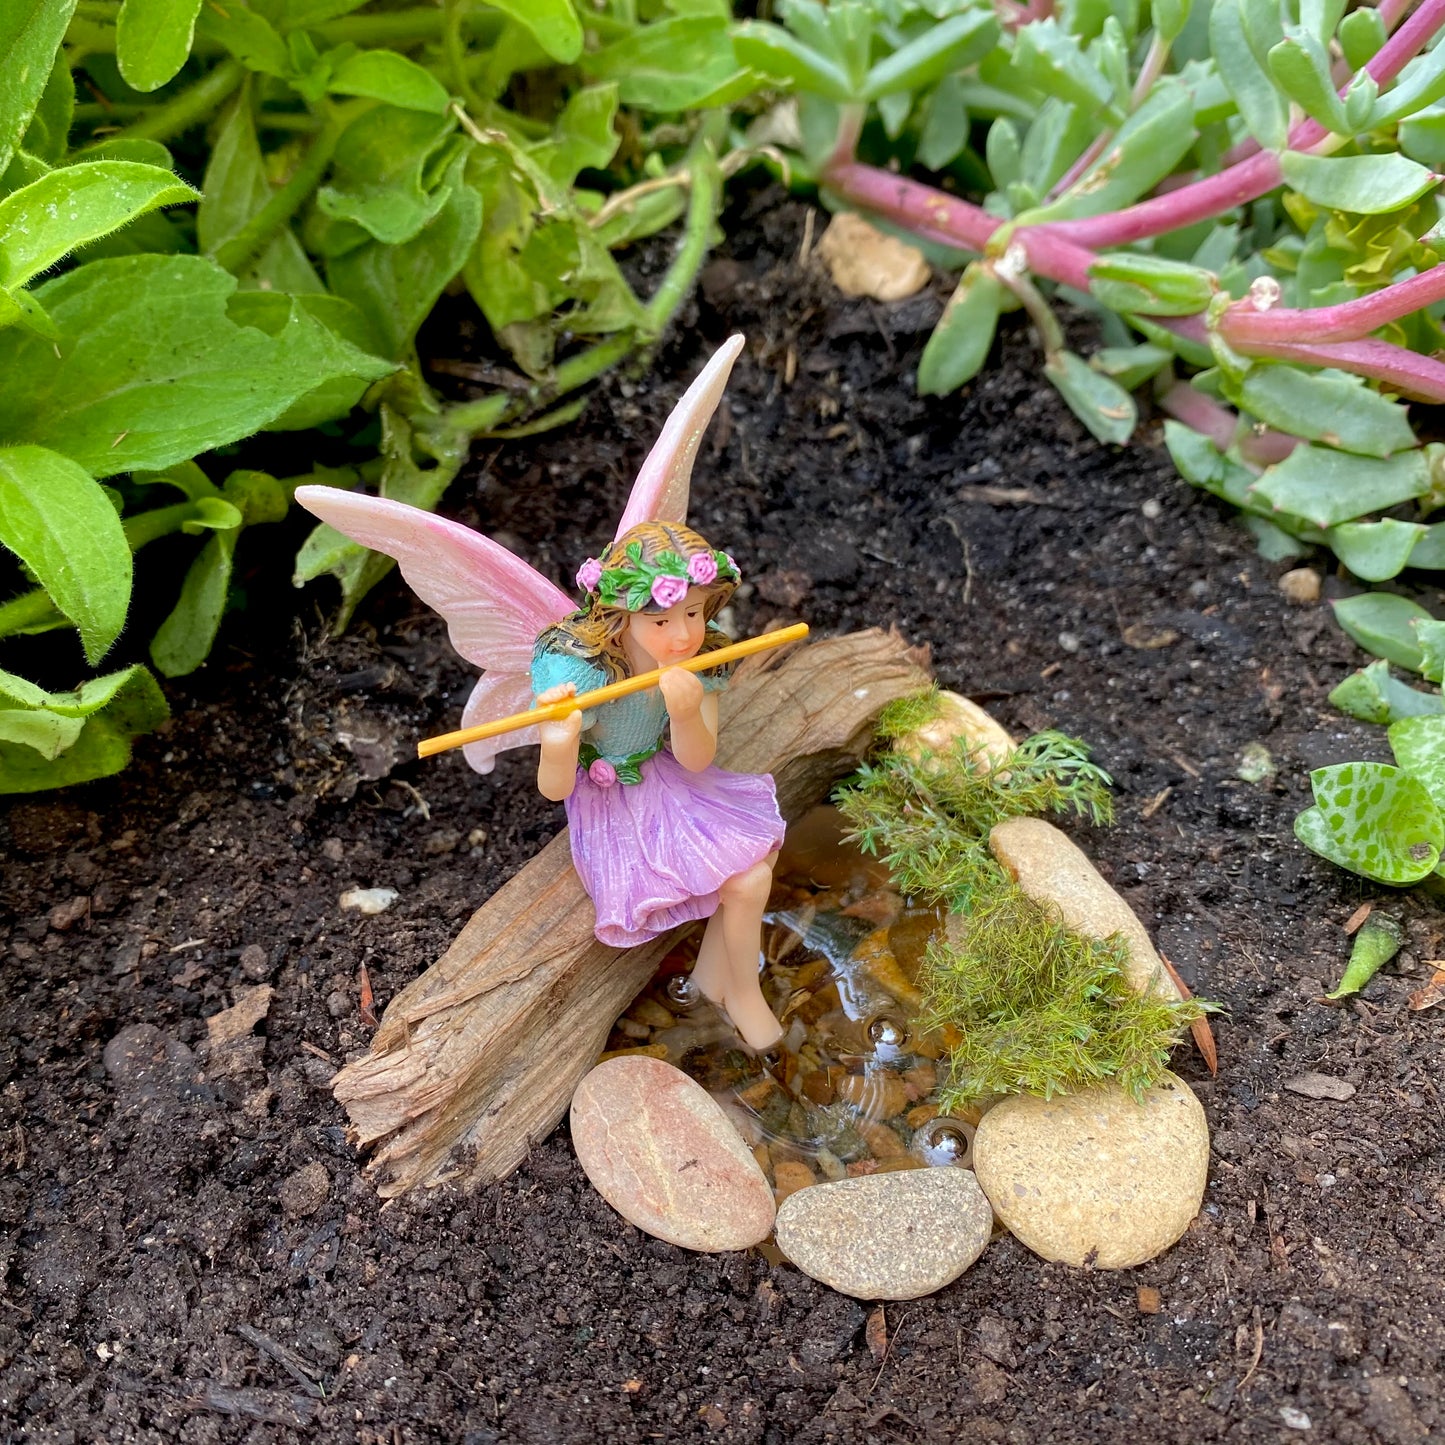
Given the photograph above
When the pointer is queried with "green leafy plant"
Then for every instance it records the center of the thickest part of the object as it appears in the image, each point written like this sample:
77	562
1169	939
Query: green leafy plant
1384	822
1032	1007
218	219
1242	192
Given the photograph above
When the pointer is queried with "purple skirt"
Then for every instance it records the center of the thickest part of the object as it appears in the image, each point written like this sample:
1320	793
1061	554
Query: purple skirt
653	854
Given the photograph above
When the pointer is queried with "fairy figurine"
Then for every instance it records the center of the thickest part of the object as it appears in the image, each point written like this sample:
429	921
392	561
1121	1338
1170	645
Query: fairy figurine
660	835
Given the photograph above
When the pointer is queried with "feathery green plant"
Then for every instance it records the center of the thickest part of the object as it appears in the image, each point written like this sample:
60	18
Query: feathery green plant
1038	1008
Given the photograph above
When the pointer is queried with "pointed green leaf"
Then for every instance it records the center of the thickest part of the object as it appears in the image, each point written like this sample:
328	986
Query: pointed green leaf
1375	820
772	51
946	128
249	36
1373	696
153	40
397	286
154	368
1327	487
1050	59
386	75
1101	404
183	640
1364	185
1377	942
48	135
64	209
60	523
1131	366
113	710
30	36
1381	623
960	343
553	24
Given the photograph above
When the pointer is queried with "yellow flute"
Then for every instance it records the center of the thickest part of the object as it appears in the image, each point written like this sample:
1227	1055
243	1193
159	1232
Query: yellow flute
704	661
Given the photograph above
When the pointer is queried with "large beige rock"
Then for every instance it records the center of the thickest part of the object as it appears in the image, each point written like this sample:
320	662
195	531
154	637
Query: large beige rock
659	1149
959	717
1093	1178
864	261
1051	868
887	1236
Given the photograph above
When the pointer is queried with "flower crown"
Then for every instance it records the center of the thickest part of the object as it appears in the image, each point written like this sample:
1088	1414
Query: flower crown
664	581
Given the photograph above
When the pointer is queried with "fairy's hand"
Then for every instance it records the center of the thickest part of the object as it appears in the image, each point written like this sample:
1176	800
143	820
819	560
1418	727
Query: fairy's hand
562	731
682	691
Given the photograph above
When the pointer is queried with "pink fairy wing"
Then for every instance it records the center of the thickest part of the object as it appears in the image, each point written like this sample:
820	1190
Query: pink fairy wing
498	694
493	603
661	490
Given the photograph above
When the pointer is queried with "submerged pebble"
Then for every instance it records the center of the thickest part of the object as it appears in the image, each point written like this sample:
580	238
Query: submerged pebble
661	1151
891	1236
1093	1178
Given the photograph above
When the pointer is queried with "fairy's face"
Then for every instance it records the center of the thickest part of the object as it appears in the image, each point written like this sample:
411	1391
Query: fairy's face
672	636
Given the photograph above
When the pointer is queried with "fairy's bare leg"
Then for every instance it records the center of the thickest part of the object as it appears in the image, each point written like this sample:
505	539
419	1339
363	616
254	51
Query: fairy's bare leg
727	962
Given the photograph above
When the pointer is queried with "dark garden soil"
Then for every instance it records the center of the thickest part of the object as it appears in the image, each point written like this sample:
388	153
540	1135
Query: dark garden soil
188	1248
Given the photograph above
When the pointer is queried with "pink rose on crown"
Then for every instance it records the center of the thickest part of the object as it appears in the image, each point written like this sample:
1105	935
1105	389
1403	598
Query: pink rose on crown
602	773
668	591
702	569
589	574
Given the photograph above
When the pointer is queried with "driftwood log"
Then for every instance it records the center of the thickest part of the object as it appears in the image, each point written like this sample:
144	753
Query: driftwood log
486	1047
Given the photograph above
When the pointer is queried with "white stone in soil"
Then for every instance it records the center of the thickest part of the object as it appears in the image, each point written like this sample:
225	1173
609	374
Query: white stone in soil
661	1151
892	1236
1093	1178
1051	868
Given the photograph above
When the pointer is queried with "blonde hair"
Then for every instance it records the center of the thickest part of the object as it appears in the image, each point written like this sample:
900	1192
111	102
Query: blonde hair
594	633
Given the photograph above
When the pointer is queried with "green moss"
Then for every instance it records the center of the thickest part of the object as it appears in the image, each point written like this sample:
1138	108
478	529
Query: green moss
1038	1008
905	715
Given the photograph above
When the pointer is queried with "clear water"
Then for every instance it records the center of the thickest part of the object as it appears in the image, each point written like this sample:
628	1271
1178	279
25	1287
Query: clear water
853	1087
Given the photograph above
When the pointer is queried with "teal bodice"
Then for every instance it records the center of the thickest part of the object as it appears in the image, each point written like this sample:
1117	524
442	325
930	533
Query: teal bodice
617	730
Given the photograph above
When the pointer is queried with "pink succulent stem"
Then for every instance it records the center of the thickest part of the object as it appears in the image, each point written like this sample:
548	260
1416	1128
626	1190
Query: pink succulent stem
1202	413
1249	179
1407	372
1242	325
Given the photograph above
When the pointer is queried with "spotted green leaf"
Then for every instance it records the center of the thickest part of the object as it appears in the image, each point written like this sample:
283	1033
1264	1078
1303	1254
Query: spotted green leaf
1419	747
1375	820
1377	942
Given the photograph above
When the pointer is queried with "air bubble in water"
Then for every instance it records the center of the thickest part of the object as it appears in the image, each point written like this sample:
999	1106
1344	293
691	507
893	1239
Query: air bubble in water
681	990
946	1141
887	1033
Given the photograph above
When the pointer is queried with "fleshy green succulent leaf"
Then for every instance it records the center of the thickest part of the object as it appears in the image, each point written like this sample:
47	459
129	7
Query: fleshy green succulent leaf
960	343
1101	404
1377	942
948	46
1375	820
1373	696
40	746
1327	487
1327	406
1375	551
1131	366
1361	35
1050	59
1245	76
61	524
1383	623
1151	285
1169	17
1301	66
153	40
1365	185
